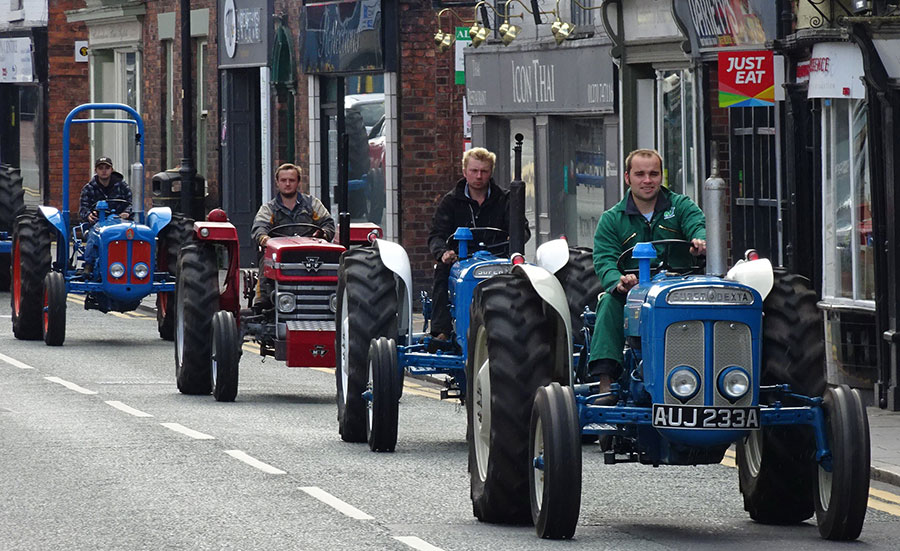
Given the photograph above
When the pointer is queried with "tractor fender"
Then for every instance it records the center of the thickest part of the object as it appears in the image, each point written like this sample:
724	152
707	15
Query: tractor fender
396	260
553	255
53	216
158	218
757	274
551	292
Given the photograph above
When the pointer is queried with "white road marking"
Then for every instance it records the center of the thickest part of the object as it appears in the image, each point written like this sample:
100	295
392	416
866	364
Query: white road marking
188	432
336	503
70	386
253	462
127	409
417	543
15	363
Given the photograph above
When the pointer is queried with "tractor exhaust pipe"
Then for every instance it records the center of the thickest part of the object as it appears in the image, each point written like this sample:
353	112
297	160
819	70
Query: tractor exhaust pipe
517	202
714	190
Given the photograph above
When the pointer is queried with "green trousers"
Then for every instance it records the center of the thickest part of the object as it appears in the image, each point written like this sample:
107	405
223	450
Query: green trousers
608	339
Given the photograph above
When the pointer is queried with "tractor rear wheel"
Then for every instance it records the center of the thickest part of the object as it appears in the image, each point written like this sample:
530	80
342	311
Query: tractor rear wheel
196	300
226	355
177	233
581	285
842	491
509	358
555	483
30	263
367	307
12	204
54	314
383	406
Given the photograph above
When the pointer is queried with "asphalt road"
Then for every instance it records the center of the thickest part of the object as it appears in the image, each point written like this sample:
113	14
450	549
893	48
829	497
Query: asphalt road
98	450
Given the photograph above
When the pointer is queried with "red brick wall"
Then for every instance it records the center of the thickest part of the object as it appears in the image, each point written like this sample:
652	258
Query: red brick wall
67	88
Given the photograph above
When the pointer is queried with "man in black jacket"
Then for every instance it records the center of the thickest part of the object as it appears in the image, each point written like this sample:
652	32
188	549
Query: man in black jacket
475	202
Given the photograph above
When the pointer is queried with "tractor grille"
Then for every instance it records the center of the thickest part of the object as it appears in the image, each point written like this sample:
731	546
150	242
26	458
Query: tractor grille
733	346
311	325
685	343
302	263
314	301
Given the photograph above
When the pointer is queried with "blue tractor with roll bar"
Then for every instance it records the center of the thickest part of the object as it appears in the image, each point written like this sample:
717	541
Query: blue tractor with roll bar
711	360
133	257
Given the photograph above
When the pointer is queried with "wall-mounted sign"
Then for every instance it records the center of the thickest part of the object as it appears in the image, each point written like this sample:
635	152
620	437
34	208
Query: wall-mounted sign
836	71
81	51
718	24
16	64
246	29
541	81
746	79
343	36
462	40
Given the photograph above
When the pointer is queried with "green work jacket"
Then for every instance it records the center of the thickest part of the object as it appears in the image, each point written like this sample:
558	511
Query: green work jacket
623	226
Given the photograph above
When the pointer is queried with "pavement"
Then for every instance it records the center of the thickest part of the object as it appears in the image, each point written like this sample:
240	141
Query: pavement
884	426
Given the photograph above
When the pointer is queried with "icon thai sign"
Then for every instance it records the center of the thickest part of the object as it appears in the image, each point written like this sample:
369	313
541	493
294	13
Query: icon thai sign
746	79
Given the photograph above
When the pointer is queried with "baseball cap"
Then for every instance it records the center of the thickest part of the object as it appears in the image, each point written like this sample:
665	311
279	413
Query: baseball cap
103	161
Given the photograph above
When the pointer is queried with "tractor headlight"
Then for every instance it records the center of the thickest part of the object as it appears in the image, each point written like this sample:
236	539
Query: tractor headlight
117	270
286	302
734	382
141	270
684	383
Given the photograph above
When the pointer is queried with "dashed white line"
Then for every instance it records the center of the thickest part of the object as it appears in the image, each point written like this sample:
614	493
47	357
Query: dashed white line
336	503
127	409
417	543
70	386
187	432
253	462
14	362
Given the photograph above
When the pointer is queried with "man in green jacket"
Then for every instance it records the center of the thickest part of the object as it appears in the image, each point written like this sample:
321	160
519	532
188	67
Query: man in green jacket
649	212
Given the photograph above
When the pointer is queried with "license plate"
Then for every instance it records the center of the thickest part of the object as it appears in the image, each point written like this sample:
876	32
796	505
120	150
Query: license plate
703	417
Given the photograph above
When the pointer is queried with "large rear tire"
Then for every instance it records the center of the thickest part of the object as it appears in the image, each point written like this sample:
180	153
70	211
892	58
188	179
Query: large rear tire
226	355
196	300
509	358
177	233
366	309
12	204
555	442
842	493
30	264
384	382
581	285
54	314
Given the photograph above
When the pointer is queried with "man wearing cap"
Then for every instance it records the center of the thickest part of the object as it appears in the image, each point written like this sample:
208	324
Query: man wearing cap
105	185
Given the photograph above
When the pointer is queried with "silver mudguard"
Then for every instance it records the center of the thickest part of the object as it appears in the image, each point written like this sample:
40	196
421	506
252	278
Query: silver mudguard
553	255
396	260
551	292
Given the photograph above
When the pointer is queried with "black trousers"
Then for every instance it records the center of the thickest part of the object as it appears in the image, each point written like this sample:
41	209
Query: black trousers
440	301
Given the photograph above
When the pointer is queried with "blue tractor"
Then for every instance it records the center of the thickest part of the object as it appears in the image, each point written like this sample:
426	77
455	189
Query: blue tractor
130	258
710	362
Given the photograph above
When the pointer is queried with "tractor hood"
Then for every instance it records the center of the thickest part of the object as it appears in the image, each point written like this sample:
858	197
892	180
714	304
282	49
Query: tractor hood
301	257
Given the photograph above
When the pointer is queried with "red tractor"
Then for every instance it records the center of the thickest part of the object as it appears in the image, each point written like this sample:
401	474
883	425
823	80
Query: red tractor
295	323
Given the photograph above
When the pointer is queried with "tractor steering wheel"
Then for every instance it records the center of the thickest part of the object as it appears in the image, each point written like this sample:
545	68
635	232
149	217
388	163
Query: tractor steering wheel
663	263
294	228
478	245
109	203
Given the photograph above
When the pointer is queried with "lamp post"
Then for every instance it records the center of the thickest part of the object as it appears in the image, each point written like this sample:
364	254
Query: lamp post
187	170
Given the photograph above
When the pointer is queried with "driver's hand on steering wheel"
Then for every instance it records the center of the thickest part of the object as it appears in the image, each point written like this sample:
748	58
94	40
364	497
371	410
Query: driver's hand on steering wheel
698	247
92	217
124	216
626	282
319	233
262	240
449	256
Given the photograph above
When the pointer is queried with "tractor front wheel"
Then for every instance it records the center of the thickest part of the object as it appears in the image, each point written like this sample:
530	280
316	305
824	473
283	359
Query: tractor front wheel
196	300
383	393
555	484
30	263
509	358
177	233
226	355
842	487
54	318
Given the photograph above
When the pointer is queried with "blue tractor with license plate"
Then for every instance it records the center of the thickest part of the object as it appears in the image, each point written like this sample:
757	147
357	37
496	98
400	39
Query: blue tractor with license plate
710	362
129	258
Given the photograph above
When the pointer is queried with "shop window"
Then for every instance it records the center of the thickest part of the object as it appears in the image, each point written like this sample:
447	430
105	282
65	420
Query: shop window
848	254
202	113
585	192
676	131
115	79
170	105
526	128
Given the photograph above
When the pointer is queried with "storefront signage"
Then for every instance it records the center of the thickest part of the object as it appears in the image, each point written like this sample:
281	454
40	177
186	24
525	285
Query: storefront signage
245	31
462	40
836	71
550	81
726	23
746	79
649	20
343	36
16	60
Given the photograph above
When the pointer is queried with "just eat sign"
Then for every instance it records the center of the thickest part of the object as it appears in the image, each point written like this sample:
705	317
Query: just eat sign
746	79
